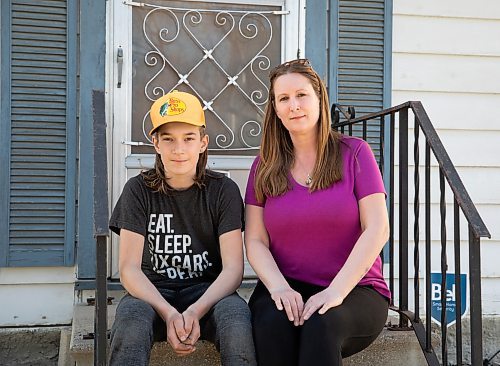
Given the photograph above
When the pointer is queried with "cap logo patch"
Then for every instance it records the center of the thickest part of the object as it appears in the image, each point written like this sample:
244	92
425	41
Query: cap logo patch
173	107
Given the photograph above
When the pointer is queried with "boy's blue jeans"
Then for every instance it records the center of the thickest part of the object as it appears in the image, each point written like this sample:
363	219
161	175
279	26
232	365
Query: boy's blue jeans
137	326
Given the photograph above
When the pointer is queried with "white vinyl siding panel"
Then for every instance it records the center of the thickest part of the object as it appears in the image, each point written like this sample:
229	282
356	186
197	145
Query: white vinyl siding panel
447	36
465	148
472	177
482	9
52	287
446	54
446	73
477	115
488	256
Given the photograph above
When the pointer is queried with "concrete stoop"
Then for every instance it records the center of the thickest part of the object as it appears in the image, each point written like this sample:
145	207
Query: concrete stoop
81	346
392	348
30	346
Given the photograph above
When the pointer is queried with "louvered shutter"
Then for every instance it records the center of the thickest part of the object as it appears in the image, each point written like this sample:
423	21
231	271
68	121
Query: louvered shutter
41	220
356	62
360	79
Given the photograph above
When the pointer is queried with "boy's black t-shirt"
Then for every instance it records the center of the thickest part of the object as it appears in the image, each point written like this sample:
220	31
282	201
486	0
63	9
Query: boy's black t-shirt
181	228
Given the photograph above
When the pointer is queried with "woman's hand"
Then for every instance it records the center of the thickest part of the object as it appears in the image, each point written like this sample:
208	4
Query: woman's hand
291	301
324	300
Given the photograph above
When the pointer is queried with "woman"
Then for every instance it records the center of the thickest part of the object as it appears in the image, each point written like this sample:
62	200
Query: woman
181	250
316	221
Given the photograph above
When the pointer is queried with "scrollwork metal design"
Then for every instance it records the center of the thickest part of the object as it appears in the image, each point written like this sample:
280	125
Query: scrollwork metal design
248	28
254	131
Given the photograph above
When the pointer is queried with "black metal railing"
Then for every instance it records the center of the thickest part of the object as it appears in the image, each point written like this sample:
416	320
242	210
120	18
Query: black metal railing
449	180
101	230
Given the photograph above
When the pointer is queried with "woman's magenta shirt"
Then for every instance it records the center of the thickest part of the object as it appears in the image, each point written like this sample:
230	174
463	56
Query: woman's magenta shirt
312	234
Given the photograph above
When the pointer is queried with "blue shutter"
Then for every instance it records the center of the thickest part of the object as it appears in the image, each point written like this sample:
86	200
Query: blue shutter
361	61
357	53
39	120
361	55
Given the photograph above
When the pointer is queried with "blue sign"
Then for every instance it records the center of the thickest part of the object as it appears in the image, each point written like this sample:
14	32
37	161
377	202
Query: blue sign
451	296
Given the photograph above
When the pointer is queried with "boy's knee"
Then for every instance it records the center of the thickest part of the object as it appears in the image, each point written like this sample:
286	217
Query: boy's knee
134	316
232	306
133	307
232	312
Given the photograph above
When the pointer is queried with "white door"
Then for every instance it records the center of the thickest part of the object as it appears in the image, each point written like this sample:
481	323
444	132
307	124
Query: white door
221	51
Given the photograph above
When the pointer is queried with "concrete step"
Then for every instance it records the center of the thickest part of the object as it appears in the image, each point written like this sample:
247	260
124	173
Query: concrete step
81	349
390	349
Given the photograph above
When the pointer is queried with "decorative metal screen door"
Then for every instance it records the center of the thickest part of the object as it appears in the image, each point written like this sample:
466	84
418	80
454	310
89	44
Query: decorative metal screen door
220	51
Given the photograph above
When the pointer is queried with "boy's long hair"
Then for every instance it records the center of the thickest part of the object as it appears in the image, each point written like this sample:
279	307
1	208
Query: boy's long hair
157	180
277	152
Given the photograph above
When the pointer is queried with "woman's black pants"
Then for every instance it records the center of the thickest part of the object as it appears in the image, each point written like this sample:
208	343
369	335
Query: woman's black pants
323	339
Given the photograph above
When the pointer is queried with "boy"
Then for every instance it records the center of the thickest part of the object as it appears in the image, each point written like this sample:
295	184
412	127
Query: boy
181	251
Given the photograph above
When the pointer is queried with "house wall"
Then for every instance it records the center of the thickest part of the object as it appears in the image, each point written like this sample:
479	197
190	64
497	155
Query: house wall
447	55
32	292
36	296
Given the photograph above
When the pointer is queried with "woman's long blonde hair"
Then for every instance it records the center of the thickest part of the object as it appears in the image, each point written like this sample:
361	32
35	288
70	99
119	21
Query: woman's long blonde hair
276	150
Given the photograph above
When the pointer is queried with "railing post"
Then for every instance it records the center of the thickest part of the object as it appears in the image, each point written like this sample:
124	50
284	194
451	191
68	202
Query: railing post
403	215
382	145
391	205
476	326
101	231
444	268
428	248
458	282
416	222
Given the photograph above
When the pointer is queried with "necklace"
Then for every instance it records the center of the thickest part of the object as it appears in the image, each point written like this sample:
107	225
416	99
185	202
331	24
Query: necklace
308	180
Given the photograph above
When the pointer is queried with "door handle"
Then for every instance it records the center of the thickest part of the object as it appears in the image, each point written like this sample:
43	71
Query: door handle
119	61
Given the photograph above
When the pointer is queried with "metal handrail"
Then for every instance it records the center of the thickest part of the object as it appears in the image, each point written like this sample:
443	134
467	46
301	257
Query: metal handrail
461	201
469	209
462	196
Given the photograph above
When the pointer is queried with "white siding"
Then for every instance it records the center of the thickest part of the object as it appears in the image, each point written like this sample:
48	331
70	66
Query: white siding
481	9
36	296
446	73
472	177
447	36
447	55
448	108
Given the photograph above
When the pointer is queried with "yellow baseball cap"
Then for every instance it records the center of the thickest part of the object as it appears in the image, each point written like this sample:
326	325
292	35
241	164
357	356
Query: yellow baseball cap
176	106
